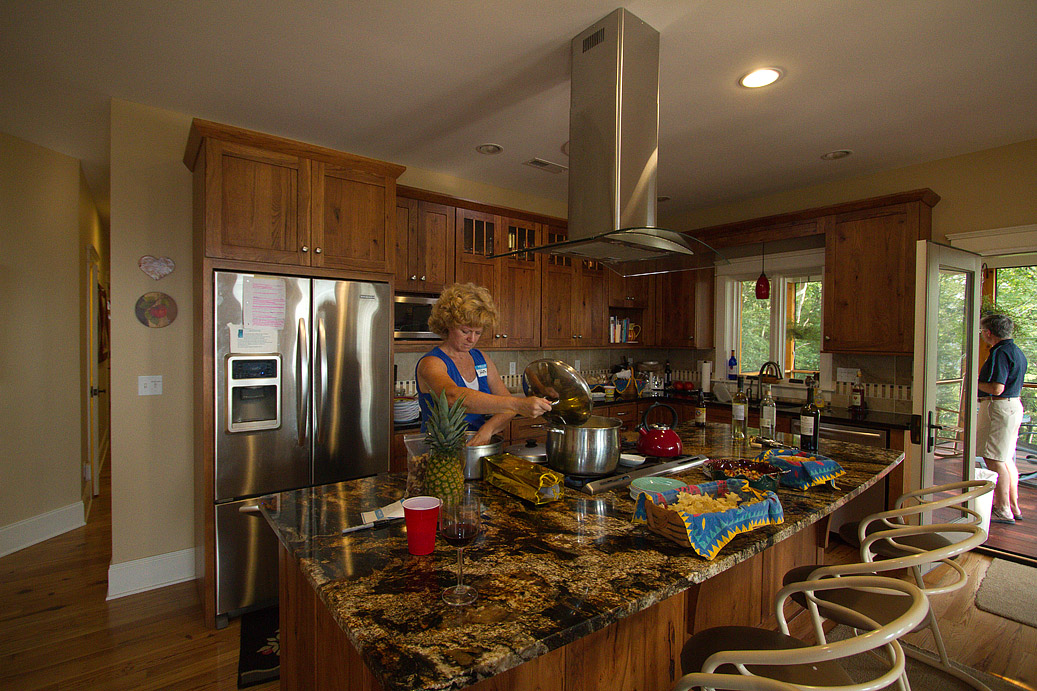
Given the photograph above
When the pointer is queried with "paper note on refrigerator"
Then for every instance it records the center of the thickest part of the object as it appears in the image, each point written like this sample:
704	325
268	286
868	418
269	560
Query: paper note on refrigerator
252	339
263	302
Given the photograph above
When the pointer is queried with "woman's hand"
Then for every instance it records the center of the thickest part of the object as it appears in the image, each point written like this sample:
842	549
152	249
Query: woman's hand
482	437
533	406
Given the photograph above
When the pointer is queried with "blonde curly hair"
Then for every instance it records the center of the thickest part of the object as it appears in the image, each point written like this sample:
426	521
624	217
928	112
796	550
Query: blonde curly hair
463	304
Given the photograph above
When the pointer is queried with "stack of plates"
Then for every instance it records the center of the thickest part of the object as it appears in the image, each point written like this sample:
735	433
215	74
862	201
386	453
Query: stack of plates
405	409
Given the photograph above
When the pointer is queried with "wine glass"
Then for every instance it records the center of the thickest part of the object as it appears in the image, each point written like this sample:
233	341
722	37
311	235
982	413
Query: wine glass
460	524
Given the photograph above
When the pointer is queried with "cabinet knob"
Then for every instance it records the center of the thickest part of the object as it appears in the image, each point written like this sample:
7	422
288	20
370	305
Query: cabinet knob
413	278
305	248
316	250
496	335
423	278
575	336
505	335
580	336
828	338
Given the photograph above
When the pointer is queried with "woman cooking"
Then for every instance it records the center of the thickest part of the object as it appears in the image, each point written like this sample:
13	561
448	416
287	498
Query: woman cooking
460	316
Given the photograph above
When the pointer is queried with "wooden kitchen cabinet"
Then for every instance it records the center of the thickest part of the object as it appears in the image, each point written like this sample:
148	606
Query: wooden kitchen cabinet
523	428
573	312
632	292
870	277
262	198
518	288
684	309
626	413
256	203
424	245
475	242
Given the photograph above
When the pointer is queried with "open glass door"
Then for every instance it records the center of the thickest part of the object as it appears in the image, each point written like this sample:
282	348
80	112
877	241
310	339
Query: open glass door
947	305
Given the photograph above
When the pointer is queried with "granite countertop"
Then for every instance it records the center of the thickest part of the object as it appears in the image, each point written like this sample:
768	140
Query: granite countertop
546	575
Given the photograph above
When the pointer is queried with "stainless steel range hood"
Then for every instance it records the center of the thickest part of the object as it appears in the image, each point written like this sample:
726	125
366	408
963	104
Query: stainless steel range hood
613	154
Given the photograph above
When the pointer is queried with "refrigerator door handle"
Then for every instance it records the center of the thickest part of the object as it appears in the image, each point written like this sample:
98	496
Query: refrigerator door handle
302	392
321	377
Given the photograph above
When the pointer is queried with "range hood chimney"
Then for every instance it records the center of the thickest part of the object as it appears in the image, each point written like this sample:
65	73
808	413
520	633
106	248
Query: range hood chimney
614	152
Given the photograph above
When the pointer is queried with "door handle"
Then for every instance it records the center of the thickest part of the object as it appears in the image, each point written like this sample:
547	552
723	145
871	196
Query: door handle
320	363
931	429
302	389
94	391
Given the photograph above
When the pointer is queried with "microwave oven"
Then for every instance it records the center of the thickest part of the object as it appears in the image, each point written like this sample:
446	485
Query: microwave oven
411	317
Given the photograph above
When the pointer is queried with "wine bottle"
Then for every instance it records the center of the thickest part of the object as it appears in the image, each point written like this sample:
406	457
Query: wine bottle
857	404
739	405
732	367
768	415
700	409
668	376
809	421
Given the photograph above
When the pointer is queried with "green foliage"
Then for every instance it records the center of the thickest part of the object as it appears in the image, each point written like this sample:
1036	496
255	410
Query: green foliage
446	429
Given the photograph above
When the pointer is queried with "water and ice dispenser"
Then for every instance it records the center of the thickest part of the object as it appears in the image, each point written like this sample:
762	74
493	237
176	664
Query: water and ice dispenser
253	392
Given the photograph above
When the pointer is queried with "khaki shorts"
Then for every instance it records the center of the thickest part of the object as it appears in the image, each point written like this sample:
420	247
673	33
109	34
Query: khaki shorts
997	428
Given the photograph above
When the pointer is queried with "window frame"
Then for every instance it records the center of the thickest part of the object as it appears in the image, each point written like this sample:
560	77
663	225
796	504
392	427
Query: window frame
781	269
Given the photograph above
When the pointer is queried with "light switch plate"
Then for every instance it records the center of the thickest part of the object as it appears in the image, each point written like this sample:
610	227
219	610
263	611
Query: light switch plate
845	374
511	368
150	385
576	366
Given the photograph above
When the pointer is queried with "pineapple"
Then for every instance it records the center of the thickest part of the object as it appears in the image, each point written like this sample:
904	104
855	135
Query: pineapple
446	434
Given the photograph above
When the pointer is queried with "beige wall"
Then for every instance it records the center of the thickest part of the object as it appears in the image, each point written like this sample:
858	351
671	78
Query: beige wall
152	485
480	192
39	330
978	191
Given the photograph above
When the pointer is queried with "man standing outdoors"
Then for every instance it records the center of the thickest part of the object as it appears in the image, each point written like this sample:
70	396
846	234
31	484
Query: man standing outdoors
1001	412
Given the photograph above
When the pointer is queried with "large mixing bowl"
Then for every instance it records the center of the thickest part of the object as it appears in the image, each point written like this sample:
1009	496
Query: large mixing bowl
587	450
474	455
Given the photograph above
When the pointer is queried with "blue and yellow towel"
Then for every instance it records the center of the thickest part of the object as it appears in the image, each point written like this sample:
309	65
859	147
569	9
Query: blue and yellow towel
707	533
802	469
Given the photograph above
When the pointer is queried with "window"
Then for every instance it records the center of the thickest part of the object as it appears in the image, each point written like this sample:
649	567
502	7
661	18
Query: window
1015	294
785	328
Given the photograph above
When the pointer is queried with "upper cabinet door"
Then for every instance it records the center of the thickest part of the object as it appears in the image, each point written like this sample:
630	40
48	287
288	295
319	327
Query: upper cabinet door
256	204
475	241
518	289
424	246
634	292
353	219
558	304
675	313
869	280
591	322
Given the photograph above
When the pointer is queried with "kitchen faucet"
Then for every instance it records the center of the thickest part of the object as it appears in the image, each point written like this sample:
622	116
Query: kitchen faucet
769	369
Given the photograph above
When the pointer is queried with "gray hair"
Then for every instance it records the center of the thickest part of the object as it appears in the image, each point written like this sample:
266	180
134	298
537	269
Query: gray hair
999	325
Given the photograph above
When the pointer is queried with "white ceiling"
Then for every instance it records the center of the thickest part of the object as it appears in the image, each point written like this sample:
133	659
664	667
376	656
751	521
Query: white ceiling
422	82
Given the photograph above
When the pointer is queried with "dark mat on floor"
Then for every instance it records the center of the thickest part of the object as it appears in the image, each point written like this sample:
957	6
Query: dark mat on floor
259	657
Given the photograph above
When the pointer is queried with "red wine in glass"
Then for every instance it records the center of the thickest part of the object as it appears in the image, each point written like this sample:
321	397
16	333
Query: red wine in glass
461	522
460	534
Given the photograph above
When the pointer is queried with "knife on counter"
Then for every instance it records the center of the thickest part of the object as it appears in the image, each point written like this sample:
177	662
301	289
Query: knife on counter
380	523
624	479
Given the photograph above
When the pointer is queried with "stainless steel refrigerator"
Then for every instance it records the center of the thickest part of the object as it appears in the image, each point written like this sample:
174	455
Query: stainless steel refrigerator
303	396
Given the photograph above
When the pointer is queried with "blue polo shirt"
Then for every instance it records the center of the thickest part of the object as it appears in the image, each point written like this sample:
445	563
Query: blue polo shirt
1005	365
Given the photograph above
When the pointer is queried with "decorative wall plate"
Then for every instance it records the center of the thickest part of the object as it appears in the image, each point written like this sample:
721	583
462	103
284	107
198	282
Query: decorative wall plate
155	310
156	267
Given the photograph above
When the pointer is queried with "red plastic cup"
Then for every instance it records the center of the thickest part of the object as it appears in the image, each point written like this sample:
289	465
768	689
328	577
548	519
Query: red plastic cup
421	515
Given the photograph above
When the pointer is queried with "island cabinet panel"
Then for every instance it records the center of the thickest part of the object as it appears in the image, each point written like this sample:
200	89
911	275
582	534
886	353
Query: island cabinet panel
256	204
870	277
352	219
424	245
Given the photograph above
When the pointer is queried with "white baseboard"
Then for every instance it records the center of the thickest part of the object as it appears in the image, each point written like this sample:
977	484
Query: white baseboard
137	576
39	528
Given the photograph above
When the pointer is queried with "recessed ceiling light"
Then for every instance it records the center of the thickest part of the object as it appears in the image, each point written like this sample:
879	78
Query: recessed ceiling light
761	77
489	149
837	154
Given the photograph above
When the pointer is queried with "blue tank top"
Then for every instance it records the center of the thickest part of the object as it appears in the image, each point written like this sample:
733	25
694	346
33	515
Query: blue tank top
475	420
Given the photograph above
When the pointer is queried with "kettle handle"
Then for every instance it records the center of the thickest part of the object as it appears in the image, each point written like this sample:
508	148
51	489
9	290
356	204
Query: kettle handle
644	418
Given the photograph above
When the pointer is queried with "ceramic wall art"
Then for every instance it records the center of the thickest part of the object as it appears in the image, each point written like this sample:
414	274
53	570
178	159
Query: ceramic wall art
155	310
156	267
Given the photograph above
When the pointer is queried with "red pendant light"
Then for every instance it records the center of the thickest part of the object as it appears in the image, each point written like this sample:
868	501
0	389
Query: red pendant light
763	285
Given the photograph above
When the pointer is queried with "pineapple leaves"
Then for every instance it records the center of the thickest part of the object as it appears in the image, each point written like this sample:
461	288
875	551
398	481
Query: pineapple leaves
446	427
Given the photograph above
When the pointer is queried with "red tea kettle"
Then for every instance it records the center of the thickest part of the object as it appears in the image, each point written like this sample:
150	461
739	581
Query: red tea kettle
659	440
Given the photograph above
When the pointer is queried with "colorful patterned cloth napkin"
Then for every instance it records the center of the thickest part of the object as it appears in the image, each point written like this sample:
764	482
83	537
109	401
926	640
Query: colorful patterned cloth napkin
802	469
707	533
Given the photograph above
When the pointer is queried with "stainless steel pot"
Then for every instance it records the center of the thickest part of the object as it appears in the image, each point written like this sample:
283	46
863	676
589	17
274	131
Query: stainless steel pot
474	455
588	450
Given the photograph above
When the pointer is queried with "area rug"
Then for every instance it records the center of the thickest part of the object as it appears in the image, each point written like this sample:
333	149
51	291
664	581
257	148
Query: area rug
1007	591
259	657
921	676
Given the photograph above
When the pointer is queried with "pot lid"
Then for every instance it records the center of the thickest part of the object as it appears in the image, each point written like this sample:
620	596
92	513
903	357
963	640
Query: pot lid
565	387
531	450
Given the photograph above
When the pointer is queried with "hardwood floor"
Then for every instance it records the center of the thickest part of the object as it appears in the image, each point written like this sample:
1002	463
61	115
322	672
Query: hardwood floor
979	639
60	633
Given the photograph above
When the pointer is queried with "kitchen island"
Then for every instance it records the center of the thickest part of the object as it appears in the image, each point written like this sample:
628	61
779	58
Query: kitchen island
571	594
